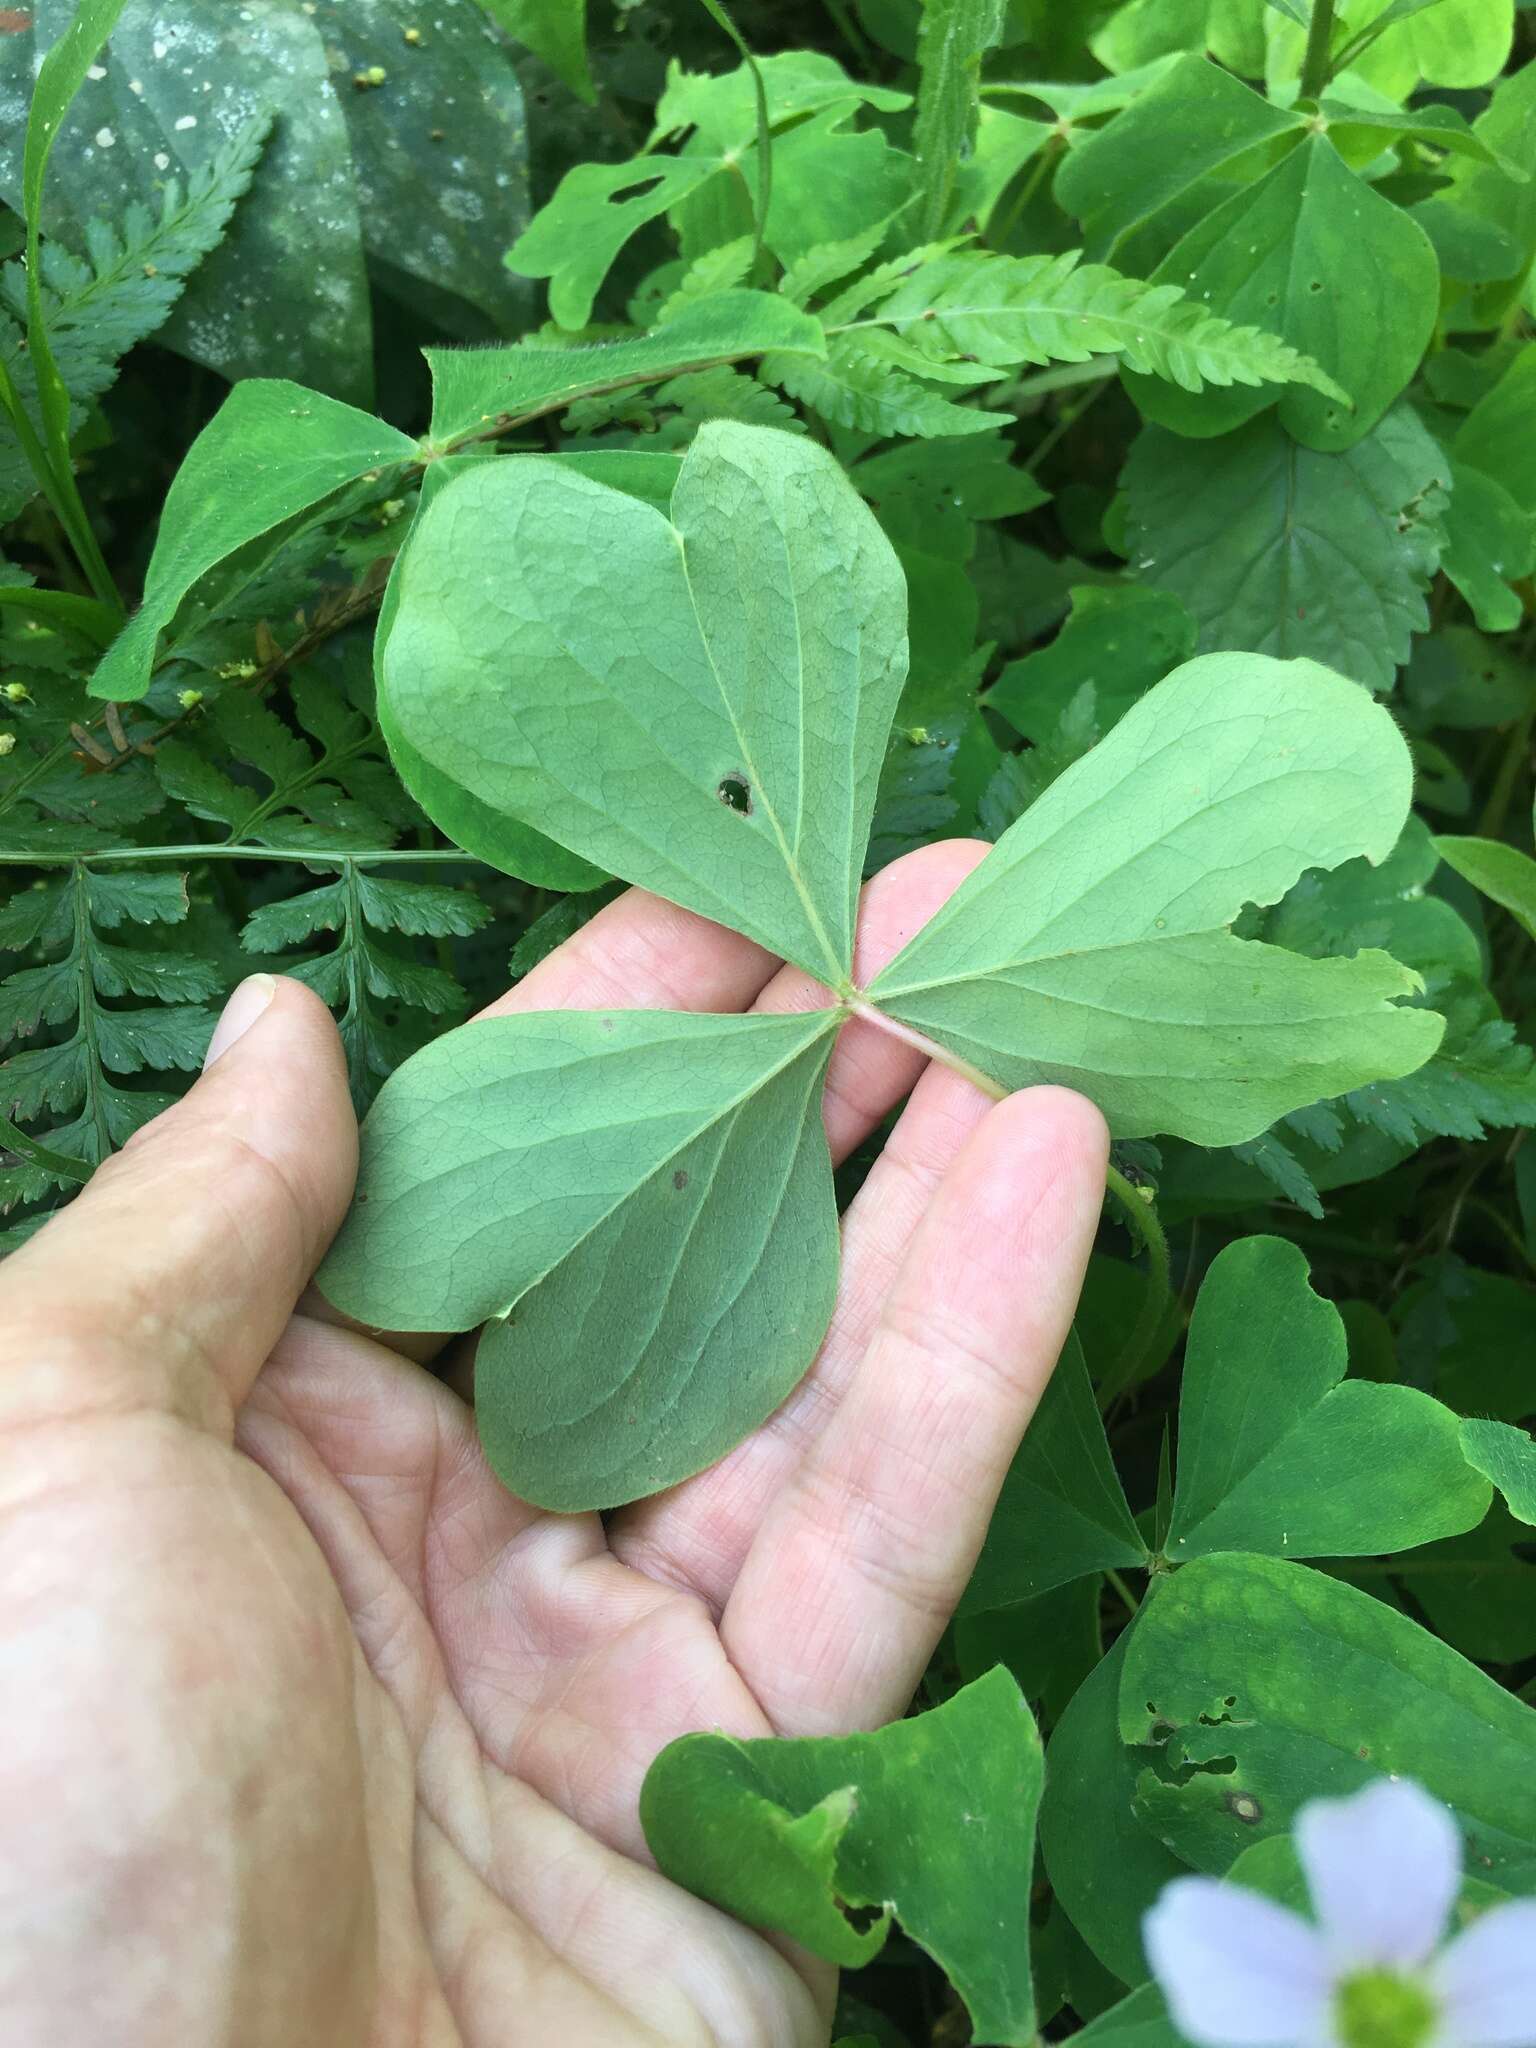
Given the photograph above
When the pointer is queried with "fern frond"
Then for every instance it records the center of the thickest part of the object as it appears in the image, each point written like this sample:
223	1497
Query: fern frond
59	793
75	977
101	305
366	981
1007	310
1481	1078
339	792
854	387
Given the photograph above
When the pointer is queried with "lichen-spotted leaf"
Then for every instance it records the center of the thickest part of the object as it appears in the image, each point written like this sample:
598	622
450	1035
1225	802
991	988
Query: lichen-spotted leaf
698	704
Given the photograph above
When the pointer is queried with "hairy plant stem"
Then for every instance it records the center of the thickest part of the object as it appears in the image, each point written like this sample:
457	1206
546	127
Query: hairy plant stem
1315	69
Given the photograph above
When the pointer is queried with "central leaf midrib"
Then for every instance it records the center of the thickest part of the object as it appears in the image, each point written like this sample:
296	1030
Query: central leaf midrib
1075	820
776	1216
756	780
827	1022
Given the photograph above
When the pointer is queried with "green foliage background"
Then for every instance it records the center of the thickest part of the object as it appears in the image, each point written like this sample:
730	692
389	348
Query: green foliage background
1148	329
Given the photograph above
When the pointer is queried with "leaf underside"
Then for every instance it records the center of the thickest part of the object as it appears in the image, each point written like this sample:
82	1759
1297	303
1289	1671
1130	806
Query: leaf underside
712	727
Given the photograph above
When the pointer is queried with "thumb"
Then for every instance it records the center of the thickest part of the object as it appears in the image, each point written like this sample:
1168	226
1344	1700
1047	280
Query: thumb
167	1282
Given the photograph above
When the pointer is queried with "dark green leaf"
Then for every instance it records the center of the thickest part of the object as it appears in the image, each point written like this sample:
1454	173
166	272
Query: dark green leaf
931	1820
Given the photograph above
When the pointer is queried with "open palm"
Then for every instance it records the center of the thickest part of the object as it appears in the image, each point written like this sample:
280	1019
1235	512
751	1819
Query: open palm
317	1736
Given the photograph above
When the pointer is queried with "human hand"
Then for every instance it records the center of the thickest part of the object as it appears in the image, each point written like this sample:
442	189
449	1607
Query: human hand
314	1736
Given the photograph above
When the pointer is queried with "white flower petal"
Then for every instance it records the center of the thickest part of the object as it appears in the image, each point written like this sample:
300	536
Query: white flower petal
1486	1979
1383	1867
1237	1970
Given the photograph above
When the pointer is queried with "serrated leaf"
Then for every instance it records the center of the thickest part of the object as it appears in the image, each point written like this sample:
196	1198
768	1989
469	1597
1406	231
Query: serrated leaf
931	494
419	909
272	451
475	390
682	1150
856	387
929	1820
1005	310
1287	551
96	310
1337	272
287	288
1062	1512
752	655
1121	638
1091	947
1279	1453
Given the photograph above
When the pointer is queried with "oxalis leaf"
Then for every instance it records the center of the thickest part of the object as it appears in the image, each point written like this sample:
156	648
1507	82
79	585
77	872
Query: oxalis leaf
700	704
930	1820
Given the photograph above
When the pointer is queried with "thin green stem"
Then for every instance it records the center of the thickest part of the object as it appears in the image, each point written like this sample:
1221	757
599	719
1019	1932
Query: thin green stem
1139	1213
1315	65
717	13
1516	753
848	29
85	989
40	1156
1066	420
871	1013
1045	160
1124	1591
319	857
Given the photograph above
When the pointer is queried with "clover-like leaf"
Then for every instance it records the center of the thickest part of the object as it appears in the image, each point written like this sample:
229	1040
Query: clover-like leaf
1278	1452
698	701
1092	946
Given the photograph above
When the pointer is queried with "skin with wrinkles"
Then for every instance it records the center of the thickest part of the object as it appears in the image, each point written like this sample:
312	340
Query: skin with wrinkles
316	1734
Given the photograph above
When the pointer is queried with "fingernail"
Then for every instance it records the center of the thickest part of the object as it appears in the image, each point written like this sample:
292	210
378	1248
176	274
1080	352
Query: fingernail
247	1003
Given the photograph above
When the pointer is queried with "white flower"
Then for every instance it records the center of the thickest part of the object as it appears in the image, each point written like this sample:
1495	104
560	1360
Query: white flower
1384	1870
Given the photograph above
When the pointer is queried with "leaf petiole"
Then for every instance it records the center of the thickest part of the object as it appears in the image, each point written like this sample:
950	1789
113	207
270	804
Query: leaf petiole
871	1013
